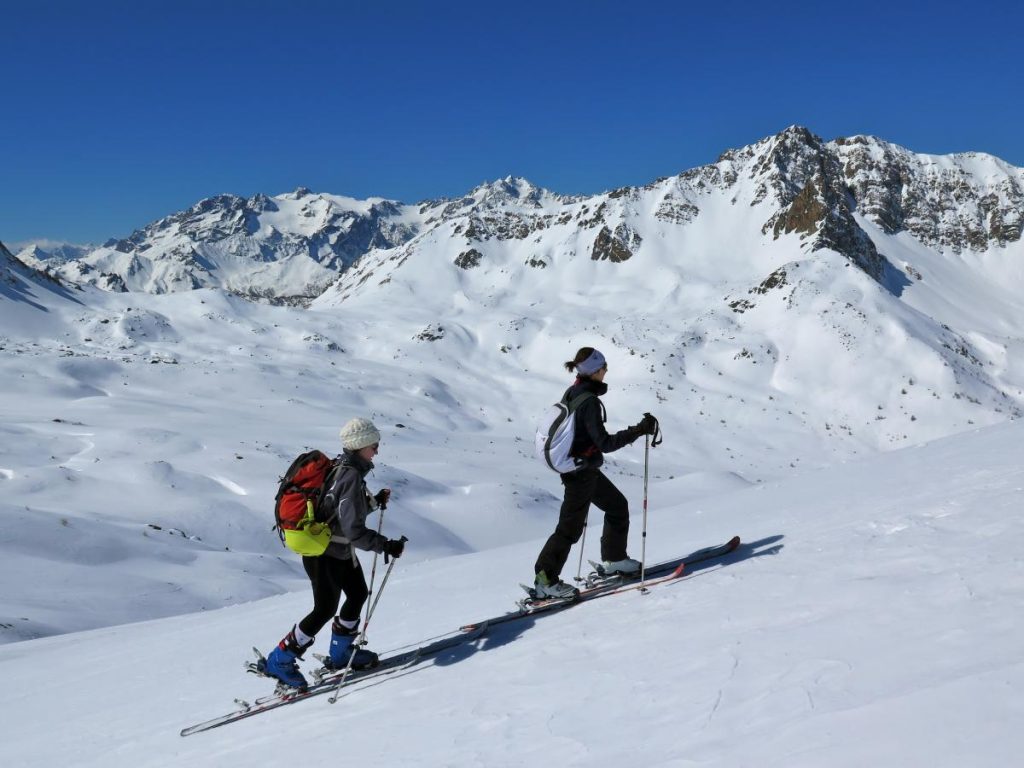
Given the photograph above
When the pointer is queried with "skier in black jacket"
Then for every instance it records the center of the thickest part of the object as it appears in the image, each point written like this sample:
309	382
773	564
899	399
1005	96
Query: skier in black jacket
587	484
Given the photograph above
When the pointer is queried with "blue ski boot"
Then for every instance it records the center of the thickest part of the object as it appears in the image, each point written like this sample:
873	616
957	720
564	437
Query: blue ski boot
282	663
343	646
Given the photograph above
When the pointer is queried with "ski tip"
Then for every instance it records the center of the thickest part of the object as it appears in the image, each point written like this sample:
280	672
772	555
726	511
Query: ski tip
733	543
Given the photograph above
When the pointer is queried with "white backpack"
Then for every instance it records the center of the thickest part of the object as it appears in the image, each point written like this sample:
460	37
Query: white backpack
555	432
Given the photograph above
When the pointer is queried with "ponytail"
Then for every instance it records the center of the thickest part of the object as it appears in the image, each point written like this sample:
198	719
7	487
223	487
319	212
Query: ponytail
583	354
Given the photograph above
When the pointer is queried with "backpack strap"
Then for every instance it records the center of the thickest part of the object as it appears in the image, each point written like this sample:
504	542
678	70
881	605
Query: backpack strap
338	464
577	401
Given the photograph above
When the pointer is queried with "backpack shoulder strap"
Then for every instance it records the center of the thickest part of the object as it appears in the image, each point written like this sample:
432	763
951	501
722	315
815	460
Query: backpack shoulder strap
338	465
577	401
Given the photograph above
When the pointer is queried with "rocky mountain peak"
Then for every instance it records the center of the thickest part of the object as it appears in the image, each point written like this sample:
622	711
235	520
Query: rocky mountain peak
801	181
510	190
966	201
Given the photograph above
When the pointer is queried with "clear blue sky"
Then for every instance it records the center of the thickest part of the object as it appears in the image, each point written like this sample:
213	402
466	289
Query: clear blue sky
115	114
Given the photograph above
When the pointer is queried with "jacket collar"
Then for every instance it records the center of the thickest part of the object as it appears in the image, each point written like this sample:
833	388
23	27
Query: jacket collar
357	462
597	387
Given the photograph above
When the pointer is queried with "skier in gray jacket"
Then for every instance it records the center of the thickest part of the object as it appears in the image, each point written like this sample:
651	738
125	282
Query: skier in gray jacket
346	505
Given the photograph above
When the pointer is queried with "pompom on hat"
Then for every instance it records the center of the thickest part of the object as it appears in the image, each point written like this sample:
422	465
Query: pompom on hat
359	433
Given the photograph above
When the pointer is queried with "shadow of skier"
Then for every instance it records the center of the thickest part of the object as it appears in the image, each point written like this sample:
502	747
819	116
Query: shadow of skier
502	634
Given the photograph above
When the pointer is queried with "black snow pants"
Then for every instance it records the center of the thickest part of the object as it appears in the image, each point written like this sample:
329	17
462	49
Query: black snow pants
583	488
329	577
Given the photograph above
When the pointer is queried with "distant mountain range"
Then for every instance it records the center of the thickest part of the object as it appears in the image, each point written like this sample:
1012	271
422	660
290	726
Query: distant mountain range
14	272
291	248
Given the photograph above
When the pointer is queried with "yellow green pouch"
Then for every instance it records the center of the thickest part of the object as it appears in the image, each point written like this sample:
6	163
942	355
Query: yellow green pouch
311	538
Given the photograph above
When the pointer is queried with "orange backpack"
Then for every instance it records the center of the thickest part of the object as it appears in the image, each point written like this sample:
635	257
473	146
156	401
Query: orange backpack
298	497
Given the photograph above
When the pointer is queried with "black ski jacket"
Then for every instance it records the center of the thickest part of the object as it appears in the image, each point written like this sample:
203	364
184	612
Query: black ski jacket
591	440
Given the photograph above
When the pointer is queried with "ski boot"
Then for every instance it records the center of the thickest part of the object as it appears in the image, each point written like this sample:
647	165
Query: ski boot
626	567
343	646
546	589
282	663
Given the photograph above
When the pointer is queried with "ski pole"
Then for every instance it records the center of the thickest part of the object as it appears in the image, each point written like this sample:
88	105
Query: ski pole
583	544
648	444
373	568
362	635
643	539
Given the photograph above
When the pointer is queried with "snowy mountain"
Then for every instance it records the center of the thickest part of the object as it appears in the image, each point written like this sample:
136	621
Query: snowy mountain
39	253
286	249
290	248
758	278
830	259
20	281
831	334
956	203
10	265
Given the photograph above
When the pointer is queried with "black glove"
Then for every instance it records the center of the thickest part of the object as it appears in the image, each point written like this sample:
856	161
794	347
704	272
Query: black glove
382	499
394	548
648	425
640	428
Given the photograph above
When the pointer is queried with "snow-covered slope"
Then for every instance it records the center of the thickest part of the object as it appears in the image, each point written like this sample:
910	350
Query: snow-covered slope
872	620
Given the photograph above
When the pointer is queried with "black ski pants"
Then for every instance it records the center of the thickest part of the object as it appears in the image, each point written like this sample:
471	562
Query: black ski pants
330	576
583	488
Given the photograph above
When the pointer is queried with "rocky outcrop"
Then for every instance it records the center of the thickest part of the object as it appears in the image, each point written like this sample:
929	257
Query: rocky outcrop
616	246
808	182
468	259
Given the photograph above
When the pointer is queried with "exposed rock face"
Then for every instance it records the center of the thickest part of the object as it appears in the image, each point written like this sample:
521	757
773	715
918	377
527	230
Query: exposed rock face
616	246
468	259
959	202
808	181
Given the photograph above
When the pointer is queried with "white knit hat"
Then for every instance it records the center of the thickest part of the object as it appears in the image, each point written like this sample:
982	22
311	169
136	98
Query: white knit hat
359	433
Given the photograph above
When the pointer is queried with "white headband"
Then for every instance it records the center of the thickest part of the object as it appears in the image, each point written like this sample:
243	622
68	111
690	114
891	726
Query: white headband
592	364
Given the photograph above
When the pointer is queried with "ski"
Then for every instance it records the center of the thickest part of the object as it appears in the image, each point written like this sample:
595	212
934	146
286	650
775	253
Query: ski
670	570
329	682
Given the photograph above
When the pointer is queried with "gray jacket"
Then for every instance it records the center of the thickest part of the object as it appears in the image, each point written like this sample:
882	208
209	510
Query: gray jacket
346	505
